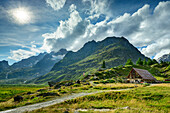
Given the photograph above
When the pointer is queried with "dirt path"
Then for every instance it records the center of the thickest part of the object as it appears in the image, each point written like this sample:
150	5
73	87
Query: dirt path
52	102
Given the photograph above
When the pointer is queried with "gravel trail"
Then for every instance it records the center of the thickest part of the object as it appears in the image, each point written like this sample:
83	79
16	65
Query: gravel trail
52	102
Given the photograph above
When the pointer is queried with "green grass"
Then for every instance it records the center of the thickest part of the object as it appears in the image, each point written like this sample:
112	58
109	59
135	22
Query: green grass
8	91
63	91
154	99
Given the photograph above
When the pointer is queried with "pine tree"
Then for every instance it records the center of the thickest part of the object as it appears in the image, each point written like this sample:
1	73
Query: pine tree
129	62
139	62
150	62
154	61
144	62
103	65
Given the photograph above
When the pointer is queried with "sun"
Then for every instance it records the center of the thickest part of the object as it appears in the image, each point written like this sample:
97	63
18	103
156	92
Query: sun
21	15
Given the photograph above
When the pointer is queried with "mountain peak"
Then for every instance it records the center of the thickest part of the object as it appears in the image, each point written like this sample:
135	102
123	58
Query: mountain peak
114	50
3	65
164	58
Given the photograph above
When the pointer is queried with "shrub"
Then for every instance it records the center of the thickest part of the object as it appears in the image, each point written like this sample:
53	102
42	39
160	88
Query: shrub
103	65
96	82
76	85
139	62
112	81
146	84
129	62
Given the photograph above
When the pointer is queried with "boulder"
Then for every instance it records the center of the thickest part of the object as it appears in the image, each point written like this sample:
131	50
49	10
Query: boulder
78	82
28	93
18	98
87	83
41	90
32	97
57	86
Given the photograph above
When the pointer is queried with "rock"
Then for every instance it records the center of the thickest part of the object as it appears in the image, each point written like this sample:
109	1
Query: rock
127	107
28	93
57	86
76	112
68	84
18	98
32	97
41	90
66	111
48	94
78	82
87	83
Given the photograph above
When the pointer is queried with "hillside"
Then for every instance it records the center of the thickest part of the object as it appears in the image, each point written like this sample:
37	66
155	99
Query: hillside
114	50
29	62
3	65
30	68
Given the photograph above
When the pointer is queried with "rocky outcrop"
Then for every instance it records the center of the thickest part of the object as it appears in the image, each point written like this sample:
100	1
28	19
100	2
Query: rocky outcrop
164	58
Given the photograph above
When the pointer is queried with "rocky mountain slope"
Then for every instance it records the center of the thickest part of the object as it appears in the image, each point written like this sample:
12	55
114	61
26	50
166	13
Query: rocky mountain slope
164	58
114	50
3	65
32	67
29	62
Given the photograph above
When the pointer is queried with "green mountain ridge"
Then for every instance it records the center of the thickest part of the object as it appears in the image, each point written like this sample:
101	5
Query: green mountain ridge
114	50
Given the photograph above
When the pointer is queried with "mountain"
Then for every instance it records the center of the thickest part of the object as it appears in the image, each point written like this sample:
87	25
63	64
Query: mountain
42	64
50	59
114	50
28	62
164	58
3	65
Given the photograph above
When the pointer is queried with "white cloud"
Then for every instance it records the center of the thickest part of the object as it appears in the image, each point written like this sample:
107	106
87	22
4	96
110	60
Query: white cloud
20	54
142	28
98	7
66	33
56	4
57	57
161	53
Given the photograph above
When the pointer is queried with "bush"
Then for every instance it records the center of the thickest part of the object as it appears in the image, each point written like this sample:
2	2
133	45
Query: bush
76	85
104	81
129	62
96	82
146	84
139	62
111	81
63	91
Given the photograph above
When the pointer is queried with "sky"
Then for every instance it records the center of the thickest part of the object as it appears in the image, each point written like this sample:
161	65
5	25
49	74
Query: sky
29	27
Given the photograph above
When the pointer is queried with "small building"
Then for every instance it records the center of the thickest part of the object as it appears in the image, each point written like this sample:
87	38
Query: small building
140	75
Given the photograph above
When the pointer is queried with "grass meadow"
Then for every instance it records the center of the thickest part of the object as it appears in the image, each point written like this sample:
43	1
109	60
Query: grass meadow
9	91
151	99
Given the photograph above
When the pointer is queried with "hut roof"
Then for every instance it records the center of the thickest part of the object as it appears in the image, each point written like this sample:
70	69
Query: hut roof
144	74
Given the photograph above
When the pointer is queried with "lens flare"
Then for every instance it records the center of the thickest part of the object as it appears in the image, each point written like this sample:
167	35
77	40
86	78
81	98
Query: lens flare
21	15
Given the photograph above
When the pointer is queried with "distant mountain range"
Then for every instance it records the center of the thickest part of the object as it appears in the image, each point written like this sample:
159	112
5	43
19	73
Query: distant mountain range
3	65
31	67
164	58
113	50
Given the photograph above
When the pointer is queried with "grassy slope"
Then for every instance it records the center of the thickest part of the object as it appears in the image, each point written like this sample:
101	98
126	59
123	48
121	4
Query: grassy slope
121	72
144	99
112	55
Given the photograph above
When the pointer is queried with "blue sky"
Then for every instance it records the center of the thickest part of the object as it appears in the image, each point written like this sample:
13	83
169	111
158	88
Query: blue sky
28	27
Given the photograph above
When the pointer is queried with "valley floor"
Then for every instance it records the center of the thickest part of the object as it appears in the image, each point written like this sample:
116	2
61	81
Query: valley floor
152	99
53	102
